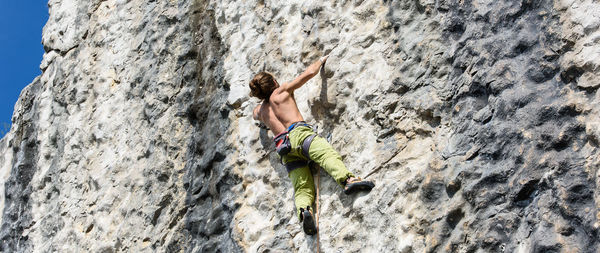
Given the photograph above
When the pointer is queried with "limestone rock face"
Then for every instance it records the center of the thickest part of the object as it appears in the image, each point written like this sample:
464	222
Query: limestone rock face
477	120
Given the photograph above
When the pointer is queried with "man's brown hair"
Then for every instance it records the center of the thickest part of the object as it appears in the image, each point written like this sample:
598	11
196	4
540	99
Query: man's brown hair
262	85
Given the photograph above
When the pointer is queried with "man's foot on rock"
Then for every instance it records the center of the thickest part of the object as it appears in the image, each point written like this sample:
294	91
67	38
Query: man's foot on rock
308	222
357	184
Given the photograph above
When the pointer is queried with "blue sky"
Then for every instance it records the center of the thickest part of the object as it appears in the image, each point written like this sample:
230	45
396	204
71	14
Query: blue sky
21	51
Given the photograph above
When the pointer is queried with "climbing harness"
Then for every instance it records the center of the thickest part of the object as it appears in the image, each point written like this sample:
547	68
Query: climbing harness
306	145
283	146
297	124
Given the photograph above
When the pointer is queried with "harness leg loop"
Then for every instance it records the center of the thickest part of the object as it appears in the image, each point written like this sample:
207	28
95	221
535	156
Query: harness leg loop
306	145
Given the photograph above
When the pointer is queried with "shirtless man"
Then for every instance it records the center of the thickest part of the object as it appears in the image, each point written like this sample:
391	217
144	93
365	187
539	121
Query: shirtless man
296	141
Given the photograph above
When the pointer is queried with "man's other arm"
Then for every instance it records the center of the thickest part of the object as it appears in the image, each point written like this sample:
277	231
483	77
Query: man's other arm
255	113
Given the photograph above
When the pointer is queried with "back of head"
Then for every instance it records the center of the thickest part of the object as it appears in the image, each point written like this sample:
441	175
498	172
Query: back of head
262	85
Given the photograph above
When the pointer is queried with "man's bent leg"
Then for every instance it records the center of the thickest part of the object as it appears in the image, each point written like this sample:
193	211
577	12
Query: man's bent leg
330	160
304	188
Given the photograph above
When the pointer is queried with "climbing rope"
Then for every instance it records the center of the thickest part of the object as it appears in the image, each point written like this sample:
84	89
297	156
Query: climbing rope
318	179
318	182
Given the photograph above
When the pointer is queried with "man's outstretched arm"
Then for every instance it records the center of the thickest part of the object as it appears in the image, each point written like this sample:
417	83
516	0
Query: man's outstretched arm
309	73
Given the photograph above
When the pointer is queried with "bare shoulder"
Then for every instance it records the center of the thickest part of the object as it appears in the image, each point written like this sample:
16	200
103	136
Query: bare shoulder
281	88
280	94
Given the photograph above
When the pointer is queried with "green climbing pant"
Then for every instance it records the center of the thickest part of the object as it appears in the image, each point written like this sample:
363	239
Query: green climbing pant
322	153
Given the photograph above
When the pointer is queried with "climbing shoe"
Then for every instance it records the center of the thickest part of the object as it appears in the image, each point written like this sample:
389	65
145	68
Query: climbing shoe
308	222
357	184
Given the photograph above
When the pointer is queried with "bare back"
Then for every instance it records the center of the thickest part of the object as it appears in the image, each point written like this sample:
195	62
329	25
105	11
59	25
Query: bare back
280	111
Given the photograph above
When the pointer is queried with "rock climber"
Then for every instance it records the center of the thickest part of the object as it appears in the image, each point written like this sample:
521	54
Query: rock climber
296	142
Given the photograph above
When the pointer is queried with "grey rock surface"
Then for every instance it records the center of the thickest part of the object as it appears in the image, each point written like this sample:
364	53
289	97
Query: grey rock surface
478	121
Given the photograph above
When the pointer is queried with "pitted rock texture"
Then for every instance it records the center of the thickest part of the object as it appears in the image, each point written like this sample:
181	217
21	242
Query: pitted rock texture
478	121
